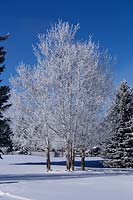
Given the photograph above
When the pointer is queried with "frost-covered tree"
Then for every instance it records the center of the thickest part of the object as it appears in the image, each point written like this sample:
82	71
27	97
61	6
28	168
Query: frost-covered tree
119	147
29	113
80	84
4	95
63	94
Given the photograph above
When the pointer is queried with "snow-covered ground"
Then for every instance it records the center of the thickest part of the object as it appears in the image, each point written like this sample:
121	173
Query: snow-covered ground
25	178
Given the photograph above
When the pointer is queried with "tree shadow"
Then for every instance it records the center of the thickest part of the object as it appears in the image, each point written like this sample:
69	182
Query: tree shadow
6	182
90	163
13	178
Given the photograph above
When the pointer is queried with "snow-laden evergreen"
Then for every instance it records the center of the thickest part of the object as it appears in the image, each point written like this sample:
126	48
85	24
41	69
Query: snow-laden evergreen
119	147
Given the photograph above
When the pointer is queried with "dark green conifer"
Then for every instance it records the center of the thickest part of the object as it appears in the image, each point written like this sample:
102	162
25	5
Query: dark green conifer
4	95
119	148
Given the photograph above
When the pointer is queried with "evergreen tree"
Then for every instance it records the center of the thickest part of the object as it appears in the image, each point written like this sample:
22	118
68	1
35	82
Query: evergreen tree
4	95
119	149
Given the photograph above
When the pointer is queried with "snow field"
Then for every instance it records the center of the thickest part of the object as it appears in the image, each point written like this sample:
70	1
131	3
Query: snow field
28	181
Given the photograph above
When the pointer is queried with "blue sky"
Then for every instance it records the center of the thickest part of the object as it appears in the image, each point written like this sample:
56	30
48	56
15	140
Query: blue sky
110	22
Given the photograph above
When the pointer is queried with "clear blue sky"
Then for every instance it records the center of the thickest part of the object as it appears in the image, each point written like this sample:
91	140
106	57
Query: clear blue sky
110	22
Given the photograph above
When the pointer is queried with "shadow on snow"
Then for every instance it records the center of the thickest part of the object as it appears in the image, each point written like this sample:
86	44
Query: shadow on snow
62	176
6	182
90	163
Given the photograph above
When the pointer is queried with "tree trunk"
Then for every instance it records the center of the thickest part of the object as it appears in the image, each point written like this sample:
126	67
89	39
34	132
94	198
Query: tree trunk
83	160
68	157
73	159
71	154
62	152
68	161
48	165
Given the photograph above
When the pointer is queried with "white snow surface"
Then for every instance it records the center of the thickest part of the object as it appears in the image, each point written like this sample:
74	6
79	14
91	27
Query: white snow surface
25	178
